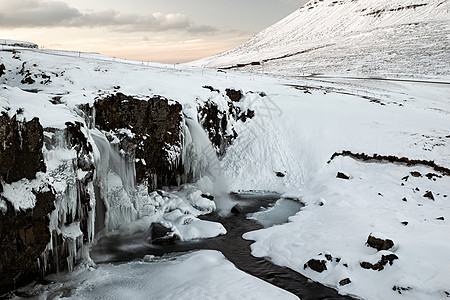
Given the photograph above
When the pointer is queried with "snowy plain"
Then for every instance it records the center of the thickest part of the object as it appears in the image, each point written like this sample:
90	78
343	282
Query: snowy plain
298	125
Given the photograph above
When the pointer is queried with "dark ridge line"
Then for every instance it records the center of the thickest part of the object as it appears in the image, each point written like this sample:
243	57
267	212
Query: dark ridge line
257	63
392	159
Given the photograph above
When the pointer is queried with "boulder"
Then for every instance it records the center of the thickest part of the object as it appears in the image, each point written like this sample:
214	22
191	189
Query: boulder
342	176
159	234
237	209
385	259
316	265
379	243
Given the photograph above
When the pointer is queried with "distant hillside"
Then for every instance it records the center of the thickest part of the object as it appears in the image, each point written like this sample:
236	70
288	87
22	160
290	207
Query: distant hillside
394	37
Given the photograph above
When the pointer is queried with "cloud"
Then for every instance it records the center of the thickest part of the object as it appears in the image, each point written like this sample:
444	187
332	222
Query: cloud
44	13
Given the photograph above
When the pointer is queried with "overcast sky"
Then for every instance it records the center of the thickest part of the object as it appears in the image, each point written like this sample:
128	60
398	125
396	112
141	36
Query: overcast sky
156	30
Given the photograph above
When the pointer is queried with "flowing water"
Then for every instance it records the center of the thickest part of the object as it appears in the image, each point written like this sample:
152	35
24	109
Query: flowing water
257	209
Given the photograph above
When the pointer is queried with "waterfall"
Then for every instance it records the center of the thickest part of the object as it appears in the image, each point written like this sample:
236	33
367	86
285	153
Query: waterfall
200	159
116	182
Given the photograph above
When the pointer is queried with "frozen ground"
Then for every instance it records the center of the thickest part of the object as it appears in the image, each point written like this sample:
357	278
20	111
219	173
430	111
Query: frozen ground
297	127
197	275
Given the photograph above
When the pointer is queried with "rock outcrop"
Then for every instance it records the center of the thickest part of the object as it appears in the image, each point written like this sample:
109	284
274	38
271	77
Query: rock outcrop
156	135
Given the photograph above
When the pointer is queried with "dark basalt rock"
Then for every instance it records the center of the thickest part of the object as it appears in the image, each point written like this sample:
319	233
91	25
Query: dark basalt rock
429	195
23	237
342	176
378	243
157	128
208	196
345	281
158	234
2	70
316	265
21	149
237	209
385	259
234	95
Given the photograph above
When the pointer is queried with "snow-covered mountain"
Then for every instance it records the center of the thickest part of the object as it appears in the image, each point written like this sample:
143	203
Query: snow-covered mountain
371	37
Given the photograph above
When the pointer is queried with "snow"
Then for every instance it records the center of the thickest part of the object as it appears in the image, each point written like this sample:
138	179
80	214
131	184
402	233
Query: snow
344	37
21	194
395	107
199	275
369	203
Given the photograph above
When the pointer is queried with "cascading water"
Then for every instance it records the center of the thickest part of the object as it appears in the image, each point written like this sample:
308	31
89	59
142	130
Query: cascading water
116	185
200	160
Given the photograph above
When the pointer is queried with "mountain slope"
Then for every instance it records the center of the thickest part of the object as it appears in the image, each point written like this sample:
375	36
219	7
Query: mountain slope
400	37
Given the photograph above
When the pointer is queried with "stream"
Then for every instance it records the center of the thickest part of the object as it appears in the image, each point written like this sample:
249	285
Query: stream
257	211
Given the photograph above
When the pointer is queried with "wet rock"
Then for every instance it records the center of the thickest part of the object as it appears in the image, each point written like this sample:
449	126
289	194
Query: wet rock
385	259
316	265
280	174
345	281
342	176
237	209
234	95
379	243
21	149
429	195
158	234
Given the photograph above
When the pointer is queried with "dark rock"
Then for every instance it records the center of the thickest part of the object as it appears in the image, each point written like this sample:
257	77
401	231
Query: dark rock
208	87
280	174
379	243
400	289
316	265
405	178
21	149
157	128
2	69
417	189
208	196
158	234
234	95
345	281
24	236
416	174
429	195
405	200
440	218
432	176
237	209
28	80
405	223
385	259
329	257
342	176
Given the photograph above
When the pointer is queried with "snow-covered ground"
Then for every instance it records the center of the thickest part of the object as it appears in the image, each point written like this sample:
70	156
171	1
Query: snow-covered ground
298	125
197	275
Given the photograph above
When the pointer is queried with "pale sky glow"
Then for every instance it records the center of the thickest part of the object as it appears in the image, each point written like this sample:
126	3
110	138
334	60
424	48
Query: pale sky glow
169	31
